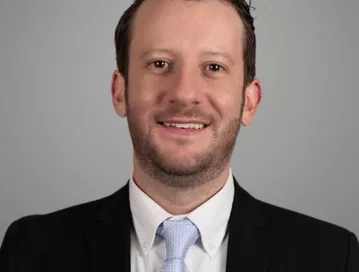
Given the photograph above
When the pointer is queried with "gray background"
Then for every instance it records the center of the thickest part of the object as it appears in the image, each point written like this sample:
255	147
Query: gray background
61	142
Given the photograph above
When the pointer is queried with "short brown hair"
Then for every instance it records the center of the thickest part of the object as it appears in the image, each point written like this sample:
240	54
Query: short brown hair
123	38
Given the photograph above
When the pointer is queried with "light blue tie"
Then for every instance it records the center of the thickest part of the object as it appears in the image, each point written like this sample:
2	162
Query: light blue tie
179	235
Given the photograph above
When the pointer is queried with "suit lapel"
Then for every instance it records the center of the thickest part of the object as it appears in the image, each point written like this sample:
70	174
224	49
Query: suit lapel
108	238
250	239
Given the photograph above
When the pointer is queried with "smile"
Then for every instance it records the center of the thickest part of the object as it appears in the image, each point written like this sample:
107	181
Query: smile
184	125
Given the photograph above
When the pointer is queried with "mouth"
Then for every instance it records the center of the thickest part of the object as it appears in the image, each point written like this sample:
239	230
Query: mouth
187	128
185	125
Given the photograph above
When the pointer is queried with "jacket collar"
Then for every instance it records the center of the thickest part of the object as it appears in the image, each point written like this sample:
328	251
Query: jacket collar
109	235
250	241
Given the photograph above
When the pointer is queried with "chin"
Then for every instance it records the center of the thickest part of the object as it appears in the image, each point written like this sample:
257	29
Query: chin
182	165
185	152
180	170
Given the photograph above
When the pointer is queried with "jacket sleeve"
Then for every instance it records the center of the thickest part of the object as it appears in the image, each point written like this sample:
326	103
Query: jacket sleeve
8	248
352	263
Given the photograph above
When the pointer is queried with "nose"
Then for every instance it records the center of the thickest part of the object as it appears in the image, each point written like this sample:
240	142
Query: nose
185	89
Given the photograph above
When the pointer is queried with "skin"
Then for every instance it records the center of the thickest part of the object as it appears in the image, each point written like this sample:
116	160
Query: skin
186	64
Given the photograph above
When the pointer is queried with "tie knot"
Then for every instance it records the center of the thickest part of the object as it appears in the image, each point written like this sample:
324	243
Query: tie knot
179	235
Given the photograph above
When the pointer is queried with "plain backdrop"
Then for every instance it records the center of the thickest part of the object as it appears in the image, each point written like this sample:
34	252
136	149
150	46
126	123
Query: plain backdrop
62	144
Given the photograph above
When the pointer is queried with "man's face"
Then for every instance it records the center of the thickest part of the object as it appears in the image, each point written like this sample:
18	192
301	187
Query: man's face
185	87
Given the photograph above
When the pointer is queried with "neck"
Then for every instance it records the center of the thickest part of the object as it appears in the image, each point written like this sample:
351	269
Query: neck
178	200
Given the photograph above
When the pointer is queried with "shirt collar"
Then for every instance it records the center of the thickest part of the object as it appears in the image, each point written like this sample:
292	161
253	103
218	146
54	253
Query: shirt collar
211	217
148	215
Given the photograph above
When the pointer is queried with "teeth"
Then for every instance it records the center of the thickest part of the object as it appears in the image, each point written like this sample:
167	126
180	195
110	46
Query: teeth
186	125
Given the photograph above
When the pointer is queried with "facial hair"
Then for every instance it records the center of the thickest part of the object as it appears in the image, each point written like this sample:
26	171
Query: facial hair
210	163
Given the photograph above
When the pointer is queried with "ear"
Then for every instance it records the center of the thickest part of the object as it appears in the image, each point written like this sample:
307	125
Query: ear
118	93
253	97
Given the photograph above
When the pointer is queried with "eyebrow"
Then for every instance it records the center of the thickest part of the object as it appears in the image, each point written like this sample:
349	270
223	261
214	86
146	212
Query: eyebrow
210	53
159	50
220	54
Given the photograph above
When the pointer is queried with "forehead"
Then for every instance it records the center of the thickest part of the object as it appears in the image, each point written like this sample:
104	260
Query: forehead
188	25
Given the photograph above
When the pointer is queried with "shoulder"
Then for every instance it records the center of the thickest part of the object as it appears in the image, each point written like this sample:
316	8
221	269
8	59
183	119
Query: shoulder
297	230
286	220
66	222
74	215
313	238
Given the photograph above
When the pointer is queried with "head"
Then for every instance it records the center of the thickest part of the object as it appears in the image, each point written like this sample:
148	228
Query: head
186	83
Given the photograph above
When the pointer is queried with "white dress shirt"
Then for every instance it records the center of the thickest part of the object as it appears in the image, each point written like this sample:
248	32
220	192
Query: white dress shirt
148	250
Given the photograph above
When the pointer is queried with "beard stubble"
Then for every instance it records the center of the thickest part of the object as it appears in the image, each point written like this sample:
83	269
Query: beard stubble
209	164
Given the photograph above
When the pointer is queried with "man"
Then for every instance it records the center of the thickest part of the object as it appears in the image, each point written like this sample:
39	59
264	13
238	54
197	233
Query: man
186	83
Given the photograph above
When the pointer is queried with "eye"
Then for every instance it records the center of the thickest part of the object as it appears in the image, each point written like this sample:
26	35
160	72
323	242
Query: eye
213	67
159	64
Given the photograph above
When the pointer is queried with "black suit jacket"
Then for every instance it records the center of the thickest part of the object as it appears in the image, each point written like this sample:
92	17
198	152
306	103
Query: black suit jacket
96	237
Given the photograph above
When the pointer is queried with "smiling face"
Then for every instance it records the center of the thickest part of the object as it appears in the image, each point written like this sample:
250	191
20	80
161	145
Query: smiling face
185	88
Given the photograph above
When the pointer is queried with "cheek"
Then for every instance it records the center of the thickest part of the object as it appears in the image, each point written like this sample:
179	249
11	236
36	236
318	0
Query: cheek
141	93
150	91
227	101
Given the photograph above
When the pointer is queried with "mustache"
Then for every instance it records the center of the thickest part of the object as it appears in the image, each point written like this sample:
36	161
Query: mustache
184	112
